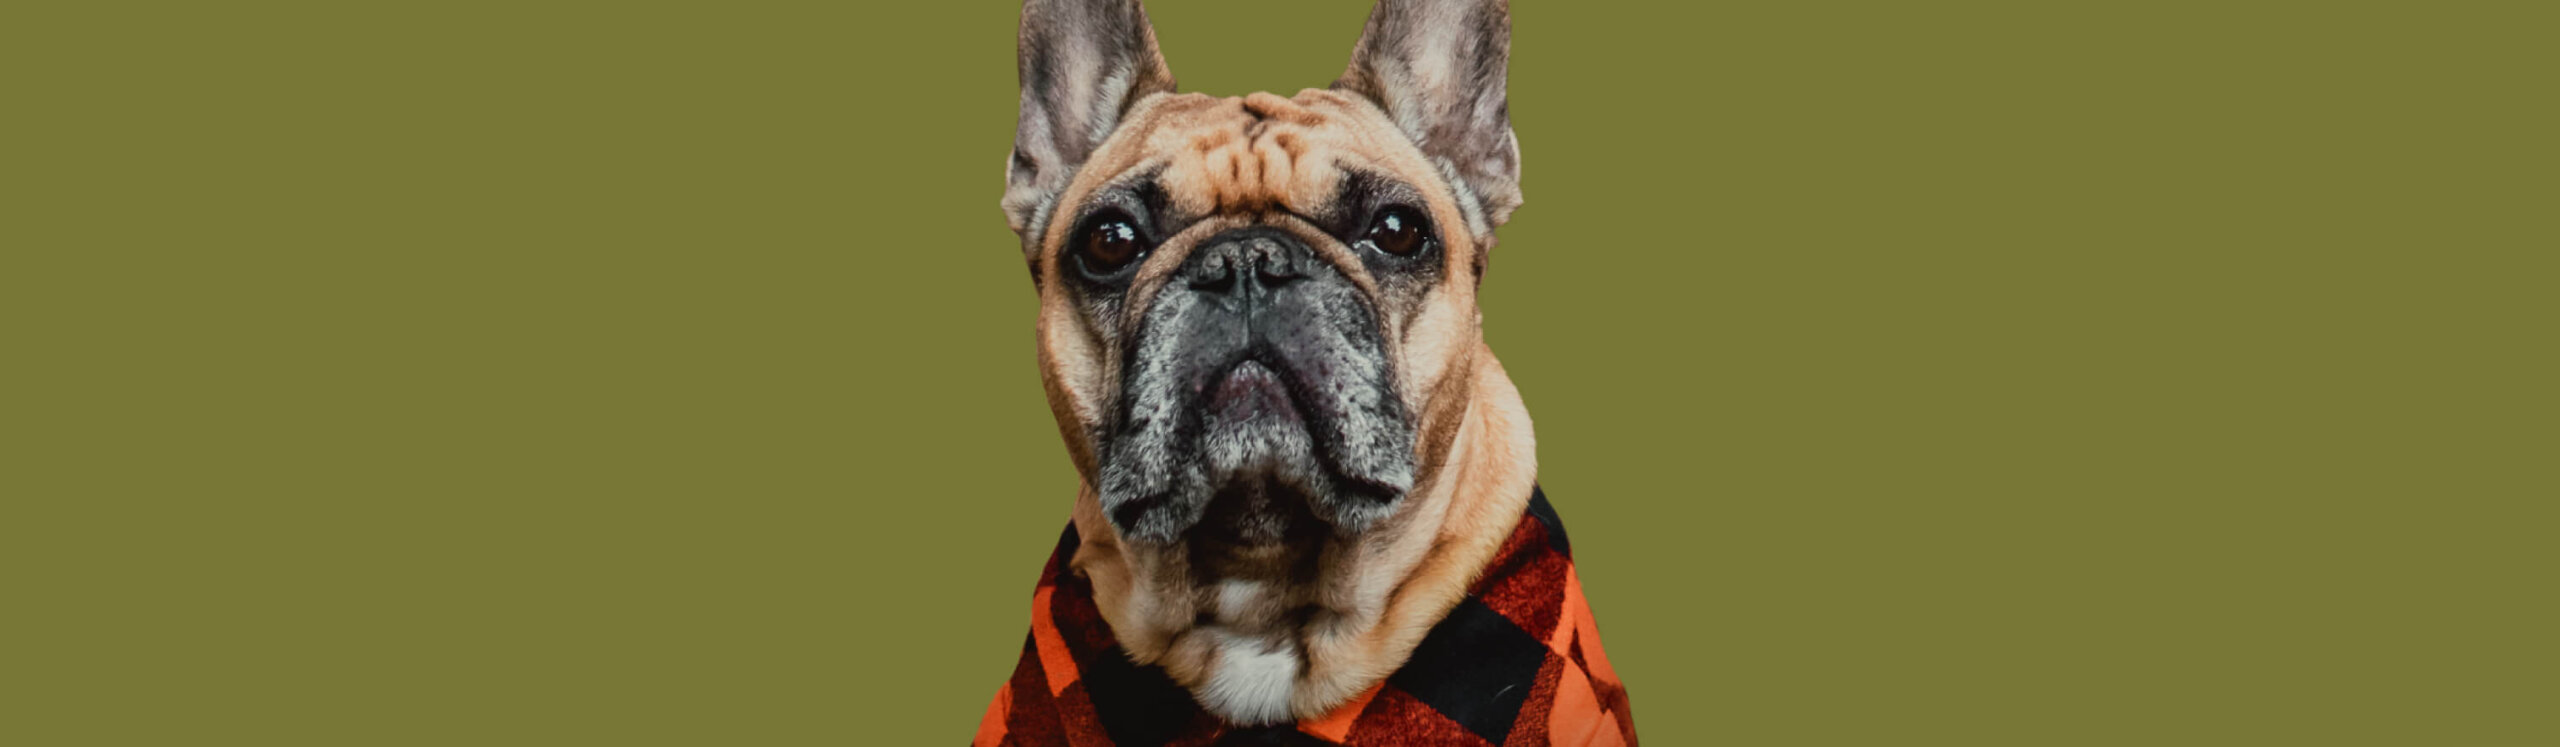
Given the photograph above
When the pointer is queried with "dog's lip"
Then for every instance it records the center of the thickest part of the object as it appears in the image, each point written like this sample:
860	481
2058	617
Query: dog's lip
1249	389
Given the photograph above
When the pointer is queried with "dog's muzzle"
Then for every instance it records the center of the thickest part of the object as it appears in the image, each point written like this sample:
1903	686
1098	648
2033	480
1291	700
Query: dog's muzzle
1257	393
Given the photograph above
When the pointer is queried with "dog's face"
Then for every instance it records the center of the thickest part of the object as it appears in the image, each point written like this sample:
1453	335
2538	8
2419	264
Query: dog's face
1251	305
1258	324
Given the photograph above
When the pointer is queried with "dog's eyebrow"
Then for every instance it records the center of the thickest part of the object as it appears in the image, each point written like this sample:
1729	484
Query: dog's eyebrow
1361	192
1135	182
1138	191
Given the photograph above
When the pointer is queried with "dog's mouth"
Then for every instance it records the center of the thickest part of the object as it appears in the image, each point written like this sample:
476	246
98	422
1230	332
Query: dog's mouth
1259	458
1258	452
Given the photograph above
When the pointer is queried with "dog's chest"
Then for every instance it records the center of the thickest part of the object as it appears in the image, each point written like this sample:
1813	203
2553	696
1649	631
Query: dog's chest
1517	661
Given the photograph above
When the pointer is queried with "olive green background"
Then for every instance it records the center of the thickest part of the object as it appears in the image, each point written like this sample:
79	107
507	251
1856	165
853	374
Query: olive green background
649	373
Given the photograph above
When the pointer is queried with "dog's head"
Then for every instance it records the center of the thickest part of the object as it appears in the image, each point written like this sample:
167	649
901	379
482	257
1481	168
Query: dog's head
1256	312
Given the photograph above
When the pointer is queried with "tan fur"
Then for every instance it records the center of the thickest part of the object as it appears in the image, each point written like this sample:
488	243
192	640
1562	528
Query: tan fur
1268	159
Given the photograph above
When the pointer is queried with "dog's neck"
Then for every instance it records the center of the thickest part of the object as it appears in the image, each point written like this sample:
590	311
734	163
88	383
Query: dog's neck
1260	648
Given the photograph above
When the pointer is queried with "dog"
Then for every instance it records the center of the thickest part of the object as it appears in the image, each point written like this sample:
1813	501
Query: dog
1309	509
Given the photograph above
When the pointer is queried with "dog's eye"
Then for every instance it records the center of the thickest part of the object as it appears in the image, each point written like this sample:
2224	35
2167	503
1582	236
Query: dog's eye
1399	231
1110	242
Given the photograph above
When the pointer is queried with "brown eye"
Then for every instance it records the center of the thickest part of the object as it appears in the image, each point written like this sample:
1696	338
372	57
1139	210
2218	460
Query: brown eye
1399	231
1109	243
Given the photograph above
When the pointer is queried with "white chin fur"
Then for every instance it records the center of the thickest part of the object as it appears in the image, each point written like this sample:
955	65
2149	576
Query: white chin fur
1251	680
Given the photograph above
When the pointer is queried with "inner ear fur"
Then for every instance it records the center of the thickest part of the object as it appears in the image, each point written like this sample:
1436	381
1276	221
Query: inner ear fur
1081	64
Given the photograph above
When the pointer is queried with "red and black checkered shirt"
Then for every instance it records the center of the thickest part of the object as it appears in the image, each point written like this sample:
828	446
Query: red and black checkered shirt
1517	662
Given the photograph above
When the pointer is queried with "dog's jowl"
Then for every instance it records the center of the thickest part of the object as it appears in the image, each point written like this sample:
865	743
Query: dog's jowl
1309	509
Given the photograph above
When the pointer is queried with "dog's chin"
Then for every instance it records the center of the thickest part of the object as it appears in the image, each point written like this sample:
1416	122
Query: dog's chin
1258	457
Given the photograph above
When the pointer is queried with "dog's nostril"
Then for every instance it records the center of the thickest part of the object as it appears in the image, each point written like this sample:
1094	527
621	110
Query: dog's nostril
1276	267
1276	273
1249	259
1215	276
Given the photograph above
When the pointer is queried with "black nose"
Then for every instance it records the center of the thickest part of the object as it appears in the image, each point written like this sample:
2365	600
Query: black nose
1247	264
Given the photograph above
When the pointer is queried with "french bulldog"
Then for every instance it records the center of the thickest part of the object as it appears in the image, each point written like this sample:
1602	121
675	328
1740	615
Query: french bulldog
1300	465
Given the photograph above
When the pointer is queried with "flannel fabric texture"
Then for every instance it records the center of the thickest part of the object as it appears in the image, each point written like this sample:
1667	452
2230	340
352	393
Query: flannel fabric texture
1517	662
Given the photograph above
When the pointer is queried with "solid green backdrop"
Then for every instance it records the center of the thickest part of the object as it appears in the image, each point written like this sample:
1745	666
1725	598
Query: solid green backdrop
1981	373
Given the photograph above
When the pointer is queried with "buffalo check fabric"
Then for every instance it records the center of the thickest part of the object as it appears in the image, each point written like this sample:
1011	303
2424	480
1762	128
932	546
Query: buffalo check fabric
1518	662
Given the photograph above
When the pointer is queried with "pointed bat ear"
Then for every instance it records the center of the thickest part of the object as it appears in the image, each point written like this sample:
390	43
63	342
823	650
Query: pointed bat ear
1438	68
1083	63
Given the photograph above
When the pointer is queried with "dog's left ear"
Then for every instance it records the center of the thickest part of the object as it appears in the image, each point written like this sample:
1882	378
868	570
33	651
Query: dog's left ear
1083	63
1437	67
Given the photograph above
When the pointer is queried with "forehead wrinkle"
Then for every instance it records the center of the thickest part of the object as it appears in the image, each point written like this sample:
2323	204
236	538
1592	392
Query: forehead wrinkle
1247	155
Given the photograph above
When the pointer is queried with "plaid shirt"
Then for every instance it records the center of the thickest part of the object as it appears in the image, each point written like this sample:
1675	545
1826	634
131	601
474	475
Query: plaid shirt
1517	662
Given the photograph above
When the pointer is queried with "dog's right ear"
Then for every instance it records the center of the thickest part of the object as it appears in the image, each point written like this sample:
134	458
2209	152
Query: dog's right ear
1082	64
